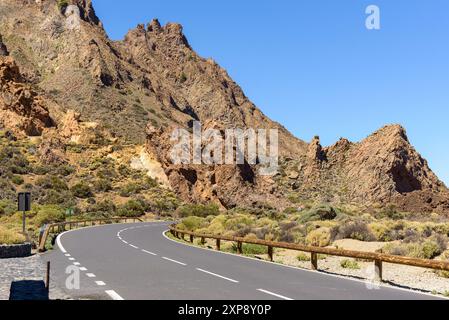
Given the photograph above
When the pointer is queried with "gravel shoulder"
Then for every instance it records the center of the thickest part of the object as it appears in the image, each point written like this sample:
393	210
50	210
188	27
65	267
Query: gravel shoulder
31	268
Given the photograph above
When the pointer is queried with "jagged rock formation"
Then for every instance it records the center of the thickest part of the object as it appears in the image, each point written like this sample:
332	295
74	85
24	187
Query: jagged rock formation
228	185
74	78
383	168
22	109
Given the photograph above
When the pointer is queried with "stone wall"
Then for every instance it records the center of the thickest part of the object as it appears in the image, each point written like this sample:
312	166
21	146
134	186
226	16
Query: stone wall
15	251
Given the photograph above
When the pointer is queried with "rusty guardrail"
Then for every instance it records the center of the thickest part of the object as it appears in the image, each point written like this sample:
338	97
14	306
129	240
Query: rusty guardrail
377	258
62	227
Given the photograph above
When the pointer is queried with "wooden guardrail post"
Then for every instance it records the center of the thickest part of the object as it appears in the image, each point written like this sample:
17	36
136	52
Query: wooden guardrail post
240	247
218	244
314	261
378	269
203	241
191	238
270	253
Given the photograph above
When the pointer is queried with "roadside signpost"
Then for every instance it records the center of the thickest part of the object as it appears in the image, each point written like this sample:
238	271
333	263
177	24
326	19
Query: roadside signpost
24	204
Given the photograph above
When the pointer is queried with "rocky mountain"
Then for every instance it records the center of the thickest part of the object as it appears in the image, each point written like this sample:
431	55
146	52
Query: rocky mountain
73	79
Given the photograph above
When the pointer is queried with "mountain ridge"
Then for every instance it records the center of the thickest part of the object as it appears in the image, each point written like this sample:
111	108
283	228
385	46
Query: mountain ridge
153	76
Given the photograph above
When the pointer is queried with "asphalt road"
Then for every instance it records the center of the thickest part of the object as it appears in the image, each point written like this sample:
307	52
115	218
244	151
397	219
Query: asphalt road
136	262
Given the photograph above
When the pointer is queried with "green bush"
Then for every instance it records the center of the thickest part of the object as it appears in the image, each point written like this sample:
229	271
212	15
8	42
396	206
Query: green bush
102	185
302	257
198	210
357	230
428	249
250	249
51	182
62	4
349	264
319	238
319	213
49	214
17	180
192	223
132	208
82	190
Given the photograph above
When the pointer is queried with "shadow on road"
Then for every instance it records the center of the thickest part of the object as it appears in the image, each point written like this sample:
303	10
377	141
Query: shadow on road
28	290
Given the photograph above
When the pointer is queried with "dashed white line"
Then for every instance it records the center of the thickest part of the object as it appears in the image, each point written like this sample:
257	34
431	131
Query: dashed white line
100	283
133	246
90	275
168	259
76	264
83	269
152	253
125	242
67	255
72	259
217	275
274	294
114	295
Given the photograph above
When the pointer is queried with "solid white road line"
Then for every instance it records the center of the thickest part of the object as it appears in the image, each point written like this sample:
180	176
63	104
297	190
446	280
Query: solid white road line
168	259
58	242
100	283
90	275
133	246
114	295
217	275
125	242
274	294
153	254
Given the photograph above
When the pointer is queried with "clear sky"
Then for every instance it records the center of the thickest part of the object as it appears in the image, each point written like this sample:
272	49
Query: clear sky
313	66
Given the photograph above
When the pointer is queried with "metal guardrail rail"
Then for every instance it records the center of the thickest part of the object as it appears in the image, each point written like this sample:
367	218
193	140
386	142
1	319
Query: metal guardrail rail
70	225
377	258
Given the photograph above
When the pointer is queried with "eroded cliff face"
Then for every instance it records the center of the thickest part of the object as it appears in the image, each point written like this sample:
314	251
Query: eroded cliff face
74	79
21	108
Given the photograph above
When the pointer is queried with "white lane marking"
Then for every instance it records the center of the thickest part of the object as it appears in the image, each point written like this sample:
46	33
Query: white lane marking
67	255
76	264
125	242
275	294
72	259
83	269
100	283
217	275
133	246
114	295
90	275
168	259
153	254
58	242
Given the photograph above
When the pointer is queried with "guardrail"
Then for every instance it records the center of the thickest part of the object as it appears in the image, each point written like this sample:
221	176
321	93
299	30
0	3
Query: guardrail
70	225
377	258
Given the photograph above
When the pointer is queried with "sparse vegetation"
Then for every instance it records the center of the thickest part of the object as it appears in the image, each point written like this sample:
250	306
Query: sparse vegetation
350	264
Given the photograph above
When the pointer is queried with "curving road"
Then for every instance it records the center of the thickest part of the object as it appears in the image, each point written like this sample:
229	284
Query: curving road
137	262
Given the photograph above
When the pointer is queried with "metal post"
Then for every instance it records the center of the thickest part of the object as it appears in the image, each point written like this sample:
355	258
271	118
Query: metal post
24	222
47	277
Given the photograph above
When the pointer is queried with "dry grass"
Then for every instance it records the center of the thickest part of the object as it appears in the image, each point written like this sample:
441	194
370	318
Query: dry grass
8	236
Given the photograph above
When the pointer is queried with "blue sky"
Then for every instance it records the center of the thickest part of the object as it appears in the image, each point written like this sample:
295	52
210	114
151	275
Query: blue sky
314	67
